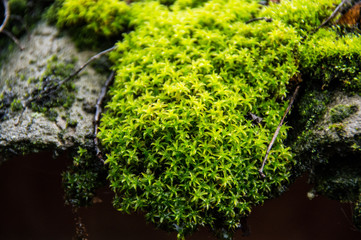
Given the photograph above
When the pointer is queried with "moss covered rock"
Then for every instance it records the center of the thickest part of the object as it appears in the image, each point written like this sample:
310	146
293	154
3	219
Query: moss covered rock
61	121
331	149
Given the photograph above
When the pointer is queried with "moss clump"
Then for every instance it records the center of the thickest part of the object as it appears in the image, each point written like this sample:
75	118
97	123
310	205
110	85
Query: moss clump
311	108
341	112
181	147
92	23
16	105
83	178
332	61
104	17
65	96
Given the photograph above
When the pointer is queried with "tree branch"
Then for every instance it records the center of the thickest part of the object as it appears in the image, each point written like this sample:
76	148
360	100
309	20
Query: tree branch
6	15
277	131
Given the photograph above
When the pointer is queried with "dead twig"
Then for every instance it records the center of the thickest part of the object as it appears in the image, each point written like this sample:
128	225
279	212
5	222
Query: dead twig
47	91
277	131
6	15
332	16
98	112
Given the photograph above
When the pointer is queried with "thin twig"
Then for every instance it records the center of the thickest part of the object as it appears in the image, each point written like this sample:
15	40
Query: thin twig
6	15
98	112
46	92
12	37
277	131
333	15
259	19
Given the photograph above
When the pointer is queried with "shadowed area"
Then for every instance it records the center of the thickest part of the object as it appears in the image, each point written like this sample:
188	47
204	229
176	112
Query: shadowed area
32	207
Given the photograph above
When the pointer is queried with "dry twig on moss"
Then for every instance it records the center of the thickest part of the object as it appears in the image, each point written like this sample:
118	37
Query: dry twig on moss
332	16
98	112
277	131
259	19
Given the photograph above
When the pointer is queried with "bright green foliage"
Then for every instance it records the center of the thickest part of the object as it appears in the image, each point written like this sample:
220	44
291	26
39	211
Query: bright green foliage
180	145
303	15
92	23
333	60
182	4
105	17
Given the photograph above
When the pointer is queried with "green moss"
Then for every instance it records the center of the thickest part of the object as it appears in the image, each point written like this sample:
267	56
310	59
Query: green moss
16	105
180	145
93	23
333	61
51	114
82	178
13	149
312	107
55	72
341	112
71	123
338	127
51	15
303	16
18	6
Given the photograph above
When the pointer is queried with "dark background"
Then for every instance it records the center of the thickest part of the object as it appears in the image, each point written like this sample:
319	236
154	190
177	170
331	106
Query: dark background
32	207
